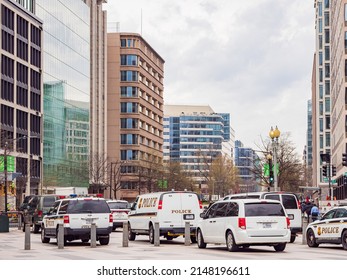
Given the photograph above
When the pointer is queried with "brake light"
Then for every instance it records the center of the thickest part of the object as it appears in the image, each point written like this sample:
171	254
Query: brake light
160	205
66	220
288	222
200	204
242	223
110	218
39	213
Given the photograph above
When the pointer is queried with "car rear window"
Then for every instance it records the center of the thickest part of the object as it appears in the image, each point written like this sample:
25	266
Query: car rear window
119	205
289	201
87	206
48	201
250	196
263	209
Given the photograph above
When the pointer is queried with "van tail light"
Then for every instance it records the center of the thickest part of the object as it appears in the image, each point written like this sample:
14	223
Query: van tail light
288	222
200	204
160	205
39	213
242	223
110	219
66	220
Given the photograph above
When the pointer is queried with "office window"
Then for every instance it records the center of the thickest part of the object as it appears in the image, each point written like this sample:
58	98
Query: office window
327	53
326	4
129	91
326	19
7	92
327	139
327	122
326	36
129	76
327	105
320	91
327	87
123	43
320	42
320	26
130	60
327	70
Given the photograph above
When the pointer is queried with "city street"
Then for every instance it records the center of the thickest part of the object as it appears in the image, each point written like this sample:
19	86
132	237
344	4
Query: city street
12	248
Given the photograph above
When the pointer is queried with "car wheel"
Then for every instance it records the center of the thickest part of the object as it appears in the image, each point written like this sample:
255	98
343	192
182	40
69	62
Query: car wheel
311	239
131	234
344	240
151	234
44	239
200	240
280	247
36	228
104	241
85	240
232	247
292	238
169	238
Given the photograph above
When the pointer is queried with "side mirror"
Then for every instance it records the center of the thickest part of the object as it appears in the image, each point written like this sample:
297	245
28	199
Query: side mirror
202	215
133	207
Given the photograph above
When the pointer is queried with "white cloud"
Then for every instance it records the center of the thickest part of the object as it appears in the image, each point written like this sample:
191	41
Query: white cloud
252	59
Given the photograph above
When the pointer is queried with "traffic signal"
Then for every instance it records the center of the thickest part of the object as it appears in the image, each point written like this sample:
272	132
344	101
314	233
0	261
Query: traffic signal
333	170
324	168
344	159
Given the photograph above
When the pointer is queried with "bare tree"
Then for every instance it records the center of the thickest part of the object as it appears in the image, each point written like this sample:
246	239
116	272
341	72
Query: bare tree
176	178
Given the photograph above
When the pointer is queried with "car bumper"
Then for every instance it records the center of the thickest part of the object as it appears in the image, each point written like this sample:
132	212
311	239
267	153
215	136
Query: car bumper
176	231
86	231
119	223
245	238
295	230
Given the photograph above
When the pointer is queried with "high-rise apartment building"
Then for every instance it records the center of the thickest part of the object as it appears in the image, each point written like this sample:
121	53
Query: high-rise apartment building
135	89
194	135
321	90
21	99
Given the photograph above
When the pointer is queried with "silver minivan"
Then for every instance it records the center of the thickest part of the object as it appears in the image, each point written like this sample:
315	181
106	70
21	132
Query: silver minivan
289	200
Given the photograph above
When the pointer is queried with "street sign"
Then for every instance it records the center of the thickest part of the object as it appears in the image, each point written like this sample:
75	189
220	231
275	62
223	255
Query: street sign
10	163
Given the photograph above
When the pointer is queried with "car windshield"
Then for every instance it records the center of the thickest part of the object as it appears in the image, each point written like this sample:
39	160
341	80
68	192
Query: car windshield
119	205
263	209
87	206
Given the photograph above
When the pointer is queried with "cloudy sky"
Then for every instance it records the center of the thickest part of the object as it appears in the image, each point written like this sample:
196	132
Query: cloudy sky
252	59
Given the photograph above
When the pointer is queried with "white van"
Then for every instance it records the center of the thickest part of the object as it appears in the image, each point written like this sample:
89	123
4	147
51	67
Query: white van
289	200
170	209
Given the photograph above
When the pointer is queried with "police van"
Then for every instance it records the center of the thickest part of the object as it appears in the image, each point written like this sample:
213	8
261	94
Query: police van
331	228
170	209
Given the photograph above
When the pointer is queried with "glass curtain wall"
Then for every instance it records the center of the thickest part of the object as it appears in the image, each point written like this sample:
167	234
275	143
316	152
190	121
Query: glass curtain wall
66	80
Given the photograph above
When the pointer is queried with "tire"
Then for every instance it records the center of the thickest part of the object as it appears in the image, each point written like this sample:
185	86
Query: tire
200	240
311	239
280	247
169	238
344	240
44	239
104	241
230	241
151	234
292	238
193	239
131	234
85	240
36	228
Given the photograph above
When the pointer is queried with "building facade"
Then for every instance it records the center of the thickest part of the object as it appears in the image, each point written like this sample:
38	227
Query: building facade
245	159
194	136
21	100
321	90
135	88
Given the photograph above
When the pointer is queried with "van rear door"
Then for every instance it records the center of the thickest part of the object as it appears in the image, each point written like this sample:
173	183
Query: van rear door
179	207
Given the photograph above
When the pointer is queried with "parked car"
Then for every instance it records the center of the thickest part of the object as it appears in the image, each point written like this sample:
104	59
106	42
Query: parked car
244	222
77	215
119	210
289	200
34	207
171	209
331	228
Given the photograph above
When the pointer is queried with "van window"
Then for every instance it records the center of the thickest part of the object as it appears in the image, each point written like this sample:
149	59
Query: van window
221	209
211	211
263	209
232	210
289	201
272	196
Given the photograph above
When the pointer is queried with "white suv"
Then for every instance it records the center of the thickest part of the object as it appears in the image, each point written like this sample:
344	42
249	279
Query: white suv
244	222
119	210
77	216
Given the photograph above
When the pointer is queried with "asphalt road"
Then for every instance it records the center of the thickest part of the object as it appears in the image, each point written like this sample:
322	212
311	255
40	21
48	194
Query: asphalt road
12	248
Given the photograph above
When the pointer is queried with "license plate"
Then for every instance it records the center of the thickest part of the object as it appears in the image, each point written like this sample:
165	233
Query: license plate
188	216
291	216
266	225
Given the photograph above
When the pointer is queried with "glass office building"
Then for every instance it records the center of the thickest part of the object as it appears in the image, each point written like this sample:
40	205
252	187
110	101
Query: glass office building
66	82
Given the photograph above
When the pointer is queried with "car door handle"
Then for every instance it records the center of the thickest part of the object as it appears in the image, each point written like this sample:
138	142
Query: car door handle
212	221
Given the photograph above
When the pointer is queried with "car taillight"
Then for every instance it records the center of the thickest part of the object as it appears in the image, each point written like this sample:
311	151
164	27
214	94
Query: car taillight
200	204
160	205
39	213
288	222
242	223
66	220
111	218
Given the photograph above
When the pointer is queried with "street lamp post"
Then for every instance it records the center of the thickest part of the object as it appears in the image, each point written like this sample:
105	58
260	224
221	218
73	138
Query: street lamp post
274	135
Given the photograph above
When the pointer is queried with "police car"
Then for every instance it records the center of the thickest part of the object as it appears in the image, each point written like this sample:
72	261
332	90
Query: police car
77	215
331	228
